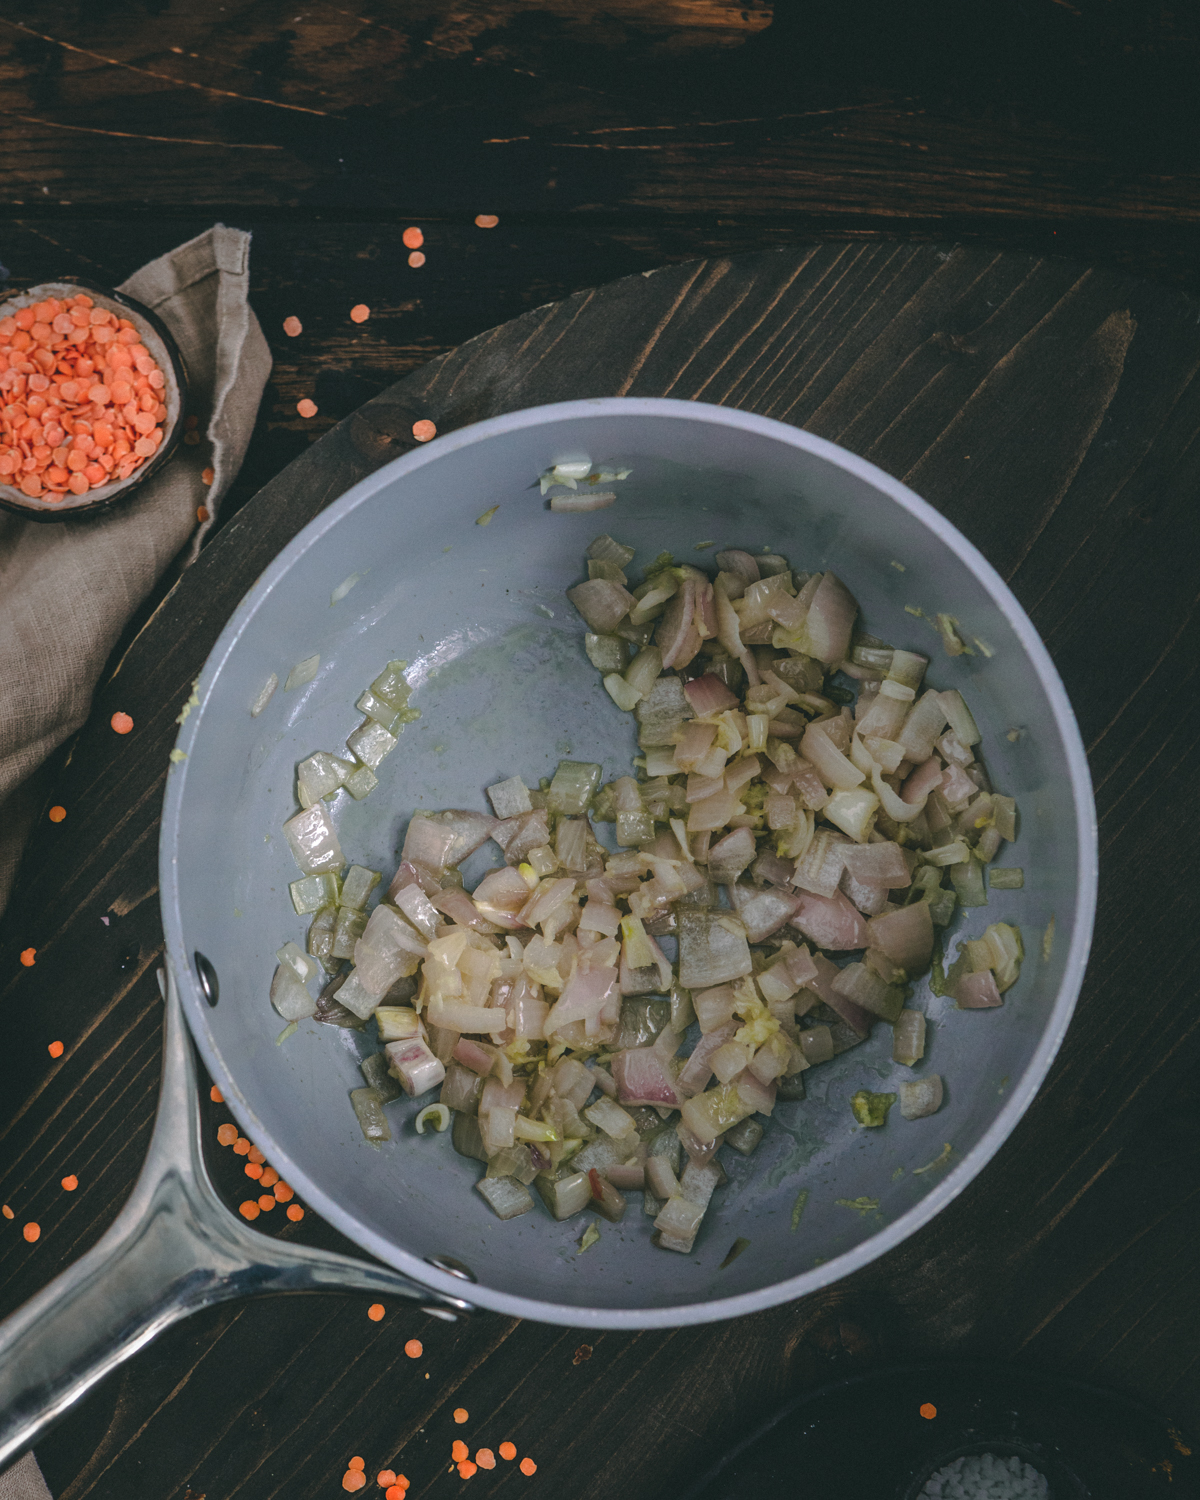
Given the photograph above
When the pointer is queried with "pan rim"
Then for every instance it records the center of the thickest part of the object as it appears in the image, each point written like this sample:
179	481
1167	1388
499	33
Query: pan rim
1021	1095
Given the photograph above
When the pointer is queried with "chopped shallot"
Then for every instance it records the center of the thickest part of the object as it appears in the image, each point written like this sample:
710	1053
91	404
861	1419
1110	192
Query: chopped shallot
769	828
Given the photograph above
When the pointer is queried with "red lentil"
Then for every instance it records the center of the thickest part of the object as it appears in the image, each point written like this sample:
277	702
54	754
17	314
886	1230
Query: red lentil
413	238
70	1183
82	398
292	327
121	723
57	814
29	957
55	1049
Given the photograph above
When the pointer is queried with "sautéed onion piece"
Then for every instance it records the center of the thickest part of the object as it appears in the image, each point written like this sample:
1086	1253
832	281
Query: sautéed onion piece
774	820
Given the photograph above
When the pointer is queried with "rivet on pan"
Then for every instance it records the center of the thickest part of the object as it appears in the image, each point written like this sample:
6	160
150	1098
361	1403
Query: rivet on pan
207	976
443	1313
447	1263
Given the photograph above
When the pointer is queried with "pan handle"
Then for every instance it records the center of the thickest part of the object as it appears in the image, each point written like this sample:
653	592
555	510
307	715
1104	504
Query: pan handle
174	1248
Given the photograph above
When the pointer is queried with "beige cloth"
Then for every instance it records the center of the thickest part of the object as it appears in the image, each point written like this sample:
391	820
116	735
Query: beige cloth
67	588
23	1481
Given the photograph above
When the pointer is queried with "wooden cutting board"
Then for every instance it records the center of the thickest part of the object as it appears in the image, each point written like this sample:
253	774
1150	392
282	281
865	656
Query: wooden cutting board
1052	413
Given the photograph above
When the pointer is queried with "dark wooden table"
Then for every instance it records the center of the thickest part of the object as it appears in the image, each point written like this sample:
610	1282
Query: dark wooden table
611	141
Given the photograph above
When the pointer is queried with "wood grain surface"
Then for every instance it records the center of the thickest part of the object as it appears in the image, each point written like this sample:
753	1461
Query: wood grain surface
1047	124
1052	412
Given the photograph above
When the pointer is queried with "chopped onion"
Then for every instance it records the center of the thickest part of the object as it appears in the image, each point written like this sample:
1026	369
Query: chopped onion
304	671
730	856
908	1038
830	620
415	1066
744	564
602	603
314	841
830	921
604	549
678	633
505	1196
368	1106
435	1115
370	743
264	696
828	761
906	936
289	996
750	766
880	864
853	811
921	1097
585	500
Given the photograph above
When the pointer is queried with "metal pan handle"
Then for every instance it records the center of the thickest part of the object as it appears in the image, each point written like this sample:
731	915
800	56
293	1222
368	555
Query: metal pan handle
173	1249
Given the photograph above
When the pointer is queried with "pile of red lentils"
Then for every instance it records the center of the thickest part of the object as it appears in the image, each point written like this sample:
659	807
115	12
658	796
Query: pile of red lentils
81	398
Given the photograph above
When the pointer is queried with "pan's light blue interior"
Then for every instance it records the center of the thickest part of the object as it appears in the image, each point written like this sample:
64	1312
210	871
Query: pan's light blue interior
505	689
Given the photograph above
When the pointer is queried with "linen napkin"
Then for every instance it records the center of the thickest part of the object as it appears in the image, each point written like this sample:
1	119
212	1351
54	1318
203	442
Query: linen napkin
67	588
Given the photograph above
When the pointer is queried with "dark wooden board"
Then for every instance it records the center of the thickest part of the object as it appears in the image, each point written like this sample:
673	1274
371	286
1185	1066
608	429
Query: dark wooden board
1068	124
1049	410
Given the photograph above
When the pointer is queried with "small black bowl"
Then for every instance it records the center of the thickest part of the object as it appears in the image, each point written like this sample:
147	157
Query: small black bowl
161	345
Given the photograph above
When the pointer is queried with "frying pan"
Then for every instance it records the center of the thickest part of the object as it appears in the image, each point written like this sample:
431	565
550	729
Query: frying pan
504	688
